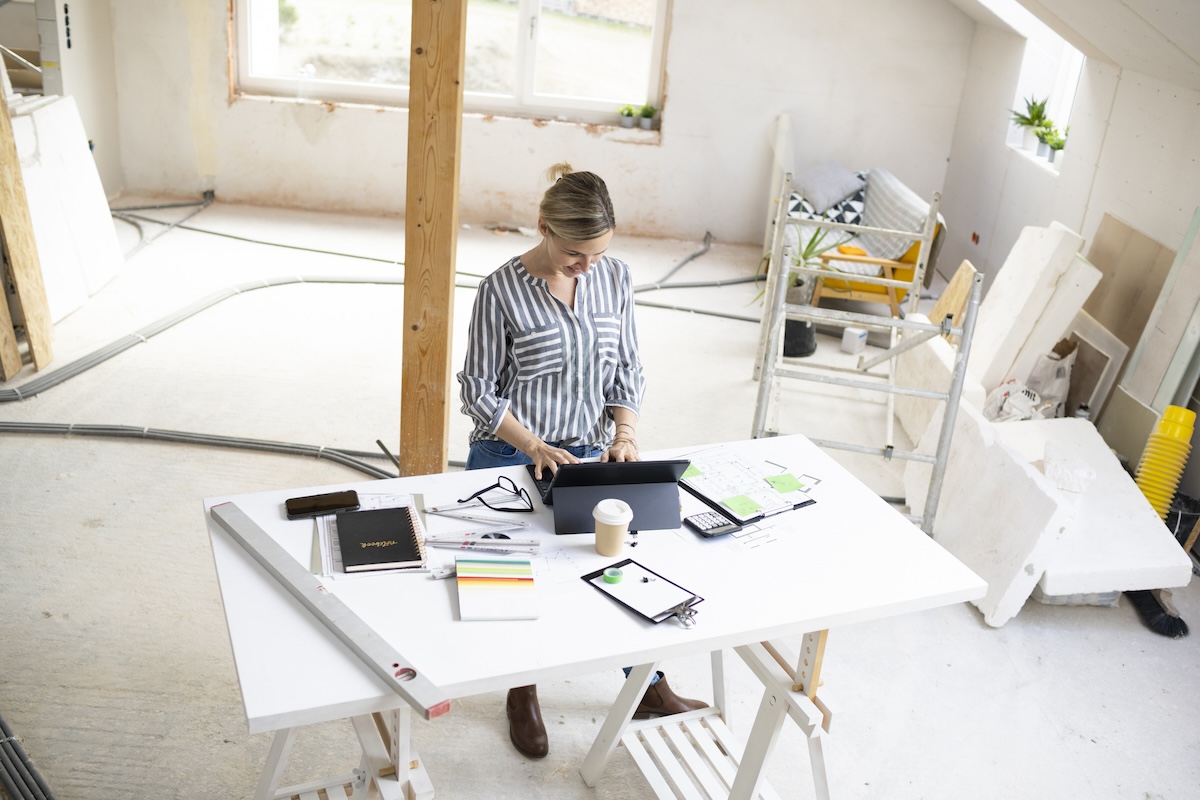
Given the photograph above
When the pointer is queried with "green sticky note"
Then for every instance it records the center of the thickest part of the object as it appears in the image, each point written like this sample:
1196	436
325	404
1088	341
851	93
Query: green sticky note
741	505
785	483
691	471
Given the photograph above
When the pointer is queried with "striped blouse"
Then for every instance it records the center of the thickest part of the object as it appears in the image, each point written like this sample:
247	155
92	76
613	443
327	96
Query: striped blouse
554	368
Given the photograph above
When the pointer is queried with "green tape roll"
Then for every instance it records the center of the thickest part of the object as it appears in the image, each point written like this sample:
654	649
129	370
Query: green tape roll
612	575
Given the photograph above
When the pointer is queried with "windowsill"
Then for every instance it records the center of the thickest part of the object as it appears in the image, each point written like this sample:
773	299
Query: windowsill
1041	161
615	133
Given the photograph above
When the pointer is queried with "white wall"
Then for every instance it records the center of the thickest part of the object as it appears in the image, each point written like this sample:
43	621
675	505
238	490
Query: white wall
873	83
1132	153
88	76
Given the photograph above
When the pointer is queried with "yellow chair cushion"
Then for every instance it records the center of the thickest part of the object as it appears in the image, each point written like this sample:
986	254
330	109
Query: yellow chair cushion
900	274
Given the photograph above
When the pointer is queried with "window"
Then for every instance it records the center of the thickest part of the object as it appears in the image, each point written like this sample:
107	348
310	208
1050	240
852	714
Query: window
1050	68
568	59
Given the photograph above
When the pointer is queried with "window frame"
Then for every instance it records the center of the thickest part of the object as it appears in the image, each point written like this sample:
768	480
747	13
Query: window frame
524	102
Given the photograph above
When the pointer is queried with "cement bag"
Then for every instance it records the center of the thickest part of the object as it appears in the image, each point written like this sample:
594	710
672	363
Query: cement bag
1051	377
1013	400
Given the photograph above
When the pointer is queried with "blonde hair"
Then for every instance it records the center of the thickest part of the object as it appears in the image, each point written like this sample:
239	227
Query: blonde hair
576	206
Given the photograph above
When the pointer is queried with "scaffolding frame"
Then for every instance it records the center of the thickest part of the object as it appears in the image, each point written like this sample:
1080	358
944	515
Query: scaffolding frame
904	334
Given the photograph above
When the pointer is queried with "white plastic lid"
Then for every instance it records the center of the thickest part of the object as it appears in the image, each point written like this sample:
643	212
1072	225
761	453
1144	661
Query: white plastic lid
612	511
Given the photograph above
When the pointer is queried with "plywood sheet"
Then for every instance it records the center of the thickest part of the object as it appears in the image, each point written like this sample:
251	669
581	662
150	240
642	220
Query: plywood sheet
1133	268
16	237
1166	346
953	299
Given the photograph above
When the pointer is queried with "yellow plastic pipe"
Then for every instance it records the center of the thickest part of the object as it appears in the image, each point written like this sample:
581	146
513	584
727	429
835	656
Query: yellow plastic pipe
1165	457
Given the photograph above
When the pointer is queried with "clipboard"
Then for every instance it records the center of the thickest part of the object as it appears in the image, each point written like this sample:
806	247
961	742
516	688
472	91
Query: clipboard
744	492
646	593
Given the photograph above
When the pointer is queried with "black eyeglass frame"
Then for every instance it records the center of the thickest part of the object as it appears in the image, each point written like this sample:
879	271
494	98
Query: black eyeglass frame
505	484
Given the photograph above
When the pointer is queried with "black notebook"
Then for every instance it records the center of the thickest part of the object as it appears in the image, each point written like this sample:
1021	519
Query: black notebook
380	538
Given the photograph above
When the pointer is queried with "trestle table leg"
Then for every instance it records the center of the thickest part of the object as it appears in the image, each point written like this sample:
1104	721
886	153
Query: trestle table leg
616	721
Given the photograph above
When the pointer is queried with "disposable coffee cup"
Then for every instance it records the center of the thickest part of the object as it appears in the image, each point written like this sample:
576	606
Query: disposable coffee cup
612	518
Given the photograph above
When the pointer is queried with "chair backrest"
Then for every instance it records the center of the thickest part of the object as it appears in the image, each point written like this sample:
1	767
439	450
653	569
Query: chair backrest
891	205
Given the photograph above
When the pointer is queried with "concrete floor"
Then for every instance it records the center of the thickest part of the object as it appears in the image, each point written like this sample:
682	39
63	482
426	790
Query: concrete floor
115	668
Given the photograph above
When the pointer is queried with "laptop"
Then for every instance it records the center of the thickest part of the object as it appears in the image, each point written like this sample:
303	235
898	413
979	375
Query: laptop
651	488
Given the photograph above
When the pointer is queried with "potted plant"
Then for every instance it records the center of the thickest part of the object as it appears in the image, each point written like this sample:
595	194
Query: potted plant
1056	142
646	115
800	336
1043	134
627	112
1030	120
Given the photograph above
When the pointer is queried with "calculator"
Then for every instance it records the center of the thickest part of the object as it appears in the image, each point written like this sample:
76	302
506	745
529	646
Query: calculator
710	523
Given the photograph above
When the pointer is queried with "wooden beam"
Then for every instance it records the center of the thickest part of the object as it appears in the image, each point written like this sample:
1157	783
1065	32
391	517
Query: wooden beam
431	231
24	269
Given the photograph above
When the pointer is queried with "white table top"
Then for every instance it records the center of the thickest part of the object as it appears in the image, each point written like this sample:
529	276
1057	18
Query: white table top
848	558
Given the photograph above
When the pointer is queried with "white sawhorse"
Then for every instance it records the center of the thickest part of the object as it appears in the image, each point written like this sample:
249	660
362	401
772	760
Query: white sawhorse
694	755
386	744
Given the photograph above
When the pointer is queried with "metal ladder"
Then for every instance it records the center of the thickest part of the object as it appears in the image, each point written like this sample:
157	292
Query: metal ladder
903	335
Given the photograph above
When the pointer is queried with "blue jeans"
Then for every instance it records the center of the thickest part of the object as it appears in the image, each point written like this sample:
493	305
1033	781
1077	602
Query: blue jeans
491	453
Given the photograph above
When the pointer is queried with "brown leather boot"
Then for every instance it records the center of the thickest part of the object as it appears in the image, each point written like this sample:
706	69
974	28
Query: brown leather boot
660	701
525	726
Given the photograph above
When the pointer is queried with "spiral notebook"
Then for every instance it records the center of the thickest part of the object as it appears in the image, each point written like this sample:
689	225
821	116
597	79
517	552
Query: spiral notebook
380	538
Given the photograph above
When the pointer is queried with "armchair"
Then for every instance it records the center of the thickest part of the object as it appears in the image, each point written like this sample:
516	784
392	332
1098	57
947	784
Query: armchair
887	265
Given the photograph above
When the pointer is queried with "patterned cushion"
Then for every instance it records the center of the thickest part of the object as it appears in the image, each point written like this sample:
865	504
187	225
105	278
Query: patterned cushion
849	211
892	205
828	184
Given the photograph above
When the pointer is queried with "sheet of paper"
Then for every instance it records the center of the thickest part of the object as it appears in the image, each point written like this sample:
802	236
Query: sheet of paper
746	489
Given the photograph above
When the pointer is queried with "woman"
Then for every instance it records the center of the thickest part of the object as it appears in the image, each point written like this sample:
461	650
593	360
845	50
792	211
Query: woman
552	373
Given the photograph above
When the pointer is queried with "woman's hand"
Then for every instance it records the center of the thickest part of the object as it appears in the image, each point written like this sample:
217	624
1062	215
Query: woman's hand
545	457
622	449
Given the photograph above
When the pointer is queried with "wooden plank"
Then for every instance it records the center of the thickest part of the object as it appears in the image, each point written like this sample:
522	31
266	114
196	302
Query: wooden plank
953	299
24	269
431	231
1133	268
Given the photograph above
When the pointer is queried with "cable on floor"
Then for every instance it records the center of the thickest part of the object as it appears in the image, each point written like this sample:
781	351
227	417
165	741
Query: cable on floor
19	776
352	459
142	240
42	383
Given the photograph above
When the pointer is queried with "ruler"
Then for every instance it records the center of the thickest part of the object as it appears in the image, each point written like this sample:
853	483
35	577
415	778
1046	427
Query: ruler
399	675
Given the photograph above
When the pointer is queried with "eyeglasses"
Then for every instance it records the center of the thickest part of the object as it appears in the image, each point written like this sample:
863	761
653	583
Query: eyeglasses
515	493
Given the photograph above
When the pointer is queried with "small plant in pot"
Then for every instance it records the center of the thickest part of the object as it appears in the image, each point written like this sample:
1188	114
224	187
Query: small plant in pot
1030	120
1043	135
1056	142
800	336
646	116
628	114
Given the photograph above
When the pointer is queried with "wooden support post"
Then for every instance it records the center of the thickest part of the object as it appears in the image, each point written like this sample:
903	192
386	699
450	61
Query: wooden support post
16	241
431	231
